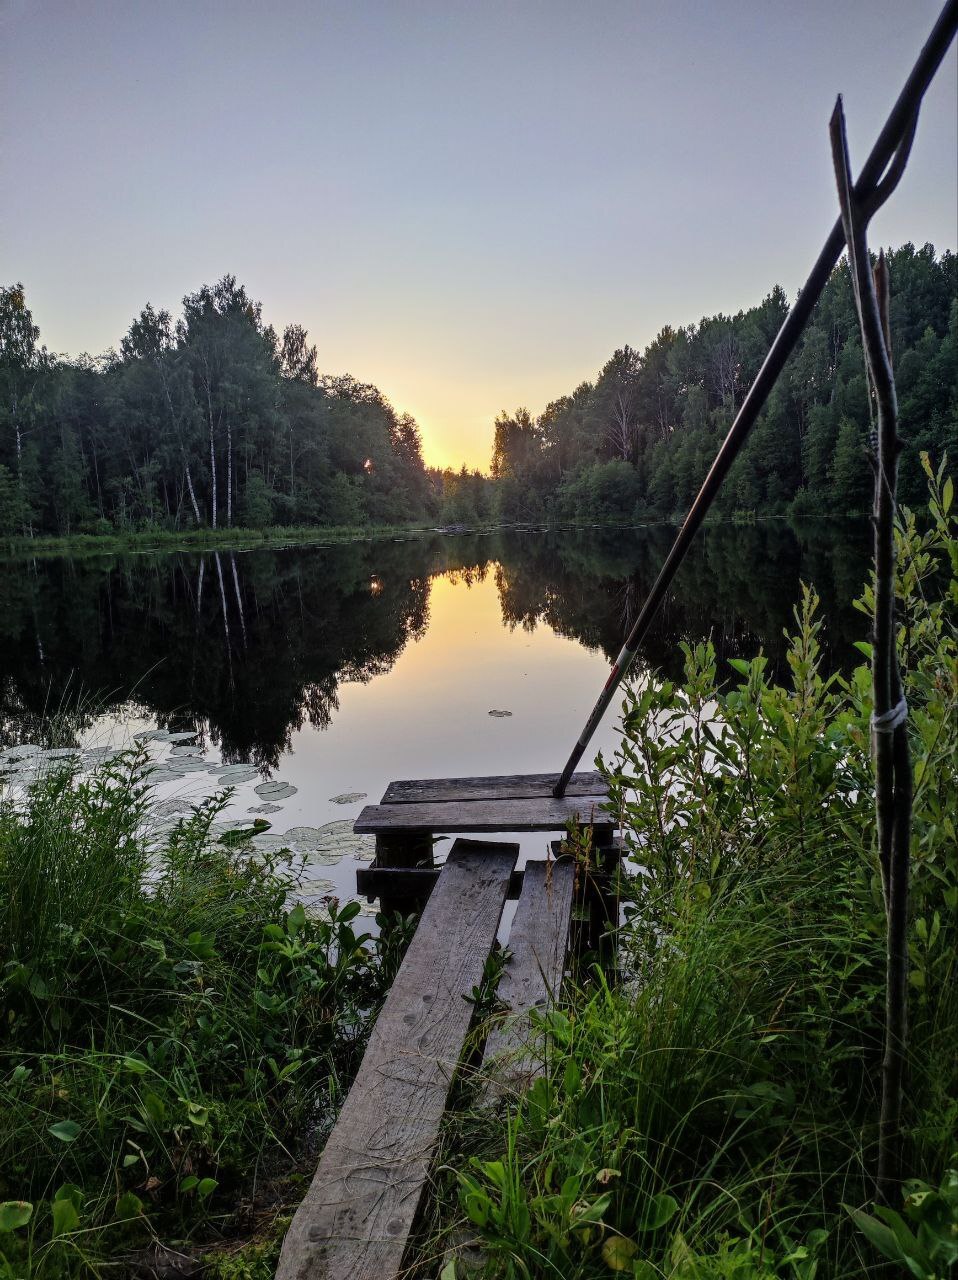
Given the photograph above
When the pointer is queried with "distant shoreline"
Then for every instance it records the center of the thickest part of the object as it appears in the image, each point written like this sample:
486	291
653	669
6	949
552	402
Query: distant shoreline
275	537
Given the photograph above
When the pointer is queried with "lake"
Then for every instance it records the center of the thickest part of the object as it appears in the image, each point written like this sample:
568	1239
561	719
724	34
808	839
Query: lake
330	671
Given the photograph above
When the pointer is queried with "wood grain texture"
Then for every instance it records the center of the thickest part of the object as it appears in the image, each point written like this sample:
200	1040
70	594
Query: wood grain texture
532	976
544	813
355	1220
507	786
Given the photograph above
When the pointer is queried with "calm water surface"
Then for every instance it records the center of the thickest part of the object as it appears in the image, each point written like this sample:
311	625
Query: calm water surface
335	670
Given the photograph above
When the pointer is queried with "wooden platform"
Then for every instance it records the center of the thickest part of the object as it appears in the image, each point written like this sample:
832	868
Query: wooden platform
511	802
356	1218
532	976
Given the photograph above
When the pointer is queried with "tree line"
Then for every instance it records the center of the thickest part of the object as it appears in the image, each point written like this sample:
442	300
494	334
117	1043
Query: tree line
209	420
213	420
637	442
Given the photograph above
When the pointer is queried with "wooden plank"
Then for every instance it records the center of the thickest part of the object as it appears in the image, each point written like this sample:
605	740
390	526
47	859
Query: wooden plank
355	1220
532	976
545	813
508	786
374	881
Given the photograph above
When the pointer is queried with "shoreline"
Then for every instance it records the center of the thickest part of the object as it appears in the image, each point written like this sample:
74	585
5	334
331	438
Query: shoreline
277	537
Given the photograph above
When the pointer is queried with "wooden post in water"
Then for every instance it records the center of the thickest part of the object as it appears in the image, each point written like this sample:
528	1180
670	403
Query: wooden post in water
411	849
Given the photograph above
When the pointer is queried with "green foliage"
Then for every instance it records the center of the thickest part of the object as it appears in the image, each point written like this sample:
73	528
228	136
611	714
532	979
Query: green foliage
923	1240
209	421
661	414
709	1117
168	1021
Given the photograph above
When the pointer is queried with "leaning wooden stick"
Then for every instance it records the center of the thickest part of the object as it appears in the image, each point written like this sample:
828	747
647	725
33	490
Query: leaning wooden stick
893	781
879	177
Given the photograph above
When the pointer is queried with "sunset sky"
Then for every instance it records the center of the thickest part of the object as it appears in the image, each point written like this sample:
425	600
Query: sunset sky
469	204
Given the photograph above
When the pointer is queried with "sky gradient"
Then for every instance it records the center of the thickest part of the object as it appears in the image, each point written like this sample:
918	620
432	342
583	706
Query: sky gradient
469	204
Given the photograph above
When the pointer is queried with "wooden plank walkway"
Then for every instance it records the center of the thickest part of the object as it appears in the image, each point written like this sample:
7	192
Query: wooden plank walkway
356	1218
532	977
543	813
355	1221
507	786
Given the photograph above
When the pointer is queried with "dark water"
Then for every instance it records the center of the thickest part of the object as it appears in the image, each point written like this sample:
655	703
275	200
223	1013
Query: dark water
337	669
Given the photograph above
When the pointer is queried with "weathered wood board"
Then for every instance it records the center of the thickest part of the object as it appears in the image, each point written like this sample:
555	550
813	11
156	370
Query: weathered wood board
509	786
355	1221
532	976
544	813
374	881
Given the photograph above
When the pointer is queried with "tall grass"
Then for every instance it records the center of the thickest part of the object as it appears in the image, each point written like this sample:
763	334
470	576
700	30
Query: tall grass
172	1030
715	1115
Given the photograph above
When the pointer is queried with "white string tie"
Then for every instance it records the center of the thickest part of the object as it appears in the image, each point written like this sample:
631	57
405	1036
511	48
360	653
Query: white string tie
889	721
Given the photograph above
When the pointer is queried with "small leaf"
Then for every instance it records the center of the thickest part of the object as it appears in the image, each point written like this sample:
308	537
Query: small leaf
15	1213
206	1187
65	1130
65	1217
618	1252
882	1237
128	1206
660	1210
296	919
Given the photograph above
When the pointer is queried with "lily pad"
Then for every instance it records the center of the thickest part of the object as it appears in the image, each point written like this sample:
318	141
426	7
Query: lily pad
331	843
159	774
269	842
265	808
187	749
317	888
275	790
236	773
180	737
166	808
186	764
500	715
304	835
348	797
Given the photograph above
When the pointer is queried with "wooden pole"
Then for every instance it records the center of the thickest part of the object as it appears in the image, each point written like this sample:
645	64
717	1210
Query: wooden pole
877	180
893	782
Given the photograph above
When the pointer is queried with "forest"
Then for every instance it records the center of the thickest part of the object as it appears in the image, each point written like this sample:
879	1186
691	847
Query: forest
637	442
213	421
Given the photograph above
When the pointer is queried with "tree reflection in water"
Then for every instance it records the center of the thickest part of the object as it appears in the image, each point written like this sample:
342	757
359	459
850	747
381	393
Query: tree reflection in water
249	648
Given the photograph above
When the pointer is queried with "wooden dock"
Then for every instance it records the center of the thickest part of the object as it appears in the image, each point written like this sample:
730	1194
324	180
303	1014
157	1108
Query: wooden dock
357	1217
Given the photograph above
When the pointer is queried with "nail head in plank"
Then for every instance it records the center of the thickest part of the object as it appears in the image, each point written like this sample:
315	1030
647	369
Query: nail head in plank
532	976
508	786
545	813
355	1220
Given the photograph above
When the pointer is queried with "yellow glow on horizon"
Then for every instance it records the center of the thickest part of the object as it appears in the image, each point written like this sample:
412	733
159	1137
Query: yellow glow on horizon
441	448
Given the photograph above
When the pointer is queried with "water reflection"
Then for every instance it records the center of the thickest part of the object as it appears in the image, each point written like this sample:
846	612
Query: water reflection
254	648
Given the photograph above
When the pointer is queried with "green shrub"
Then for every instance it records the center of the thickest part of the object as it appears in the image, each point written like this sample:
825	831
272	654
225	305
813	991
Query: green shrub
710	1116
169	1023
